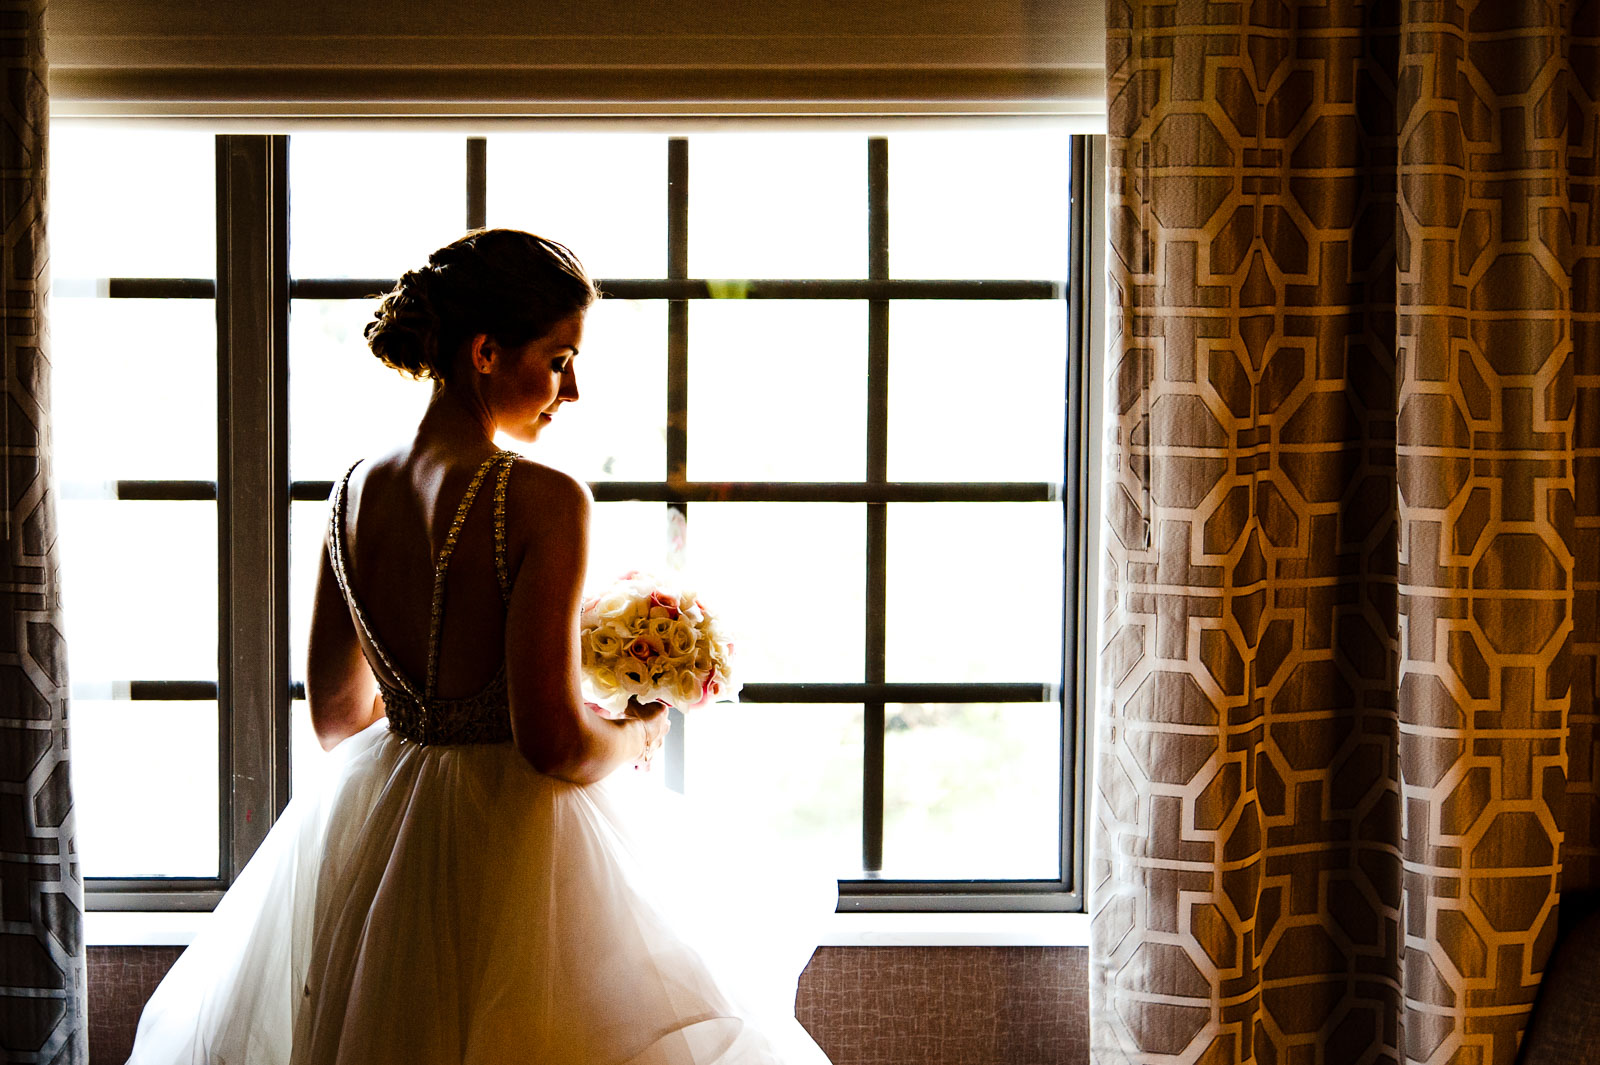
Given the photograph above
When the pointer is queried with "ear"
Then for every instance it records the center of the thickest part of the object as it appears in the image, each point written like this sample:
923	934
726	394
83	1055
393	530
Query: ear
483	352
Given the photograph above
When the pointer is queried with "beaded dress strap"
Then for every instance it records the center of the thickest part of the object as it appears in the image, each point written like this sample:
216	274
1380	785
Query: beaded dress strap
442	566
501	573
340	552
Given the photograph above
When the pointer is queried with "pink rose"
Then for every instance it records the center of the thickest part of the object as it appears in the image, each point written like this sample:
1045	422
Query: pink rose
644	648
664	602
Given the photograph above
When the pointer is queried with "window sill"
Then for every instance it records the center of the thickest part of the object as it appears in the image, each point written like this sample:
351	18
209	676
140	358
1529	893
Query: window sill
125	928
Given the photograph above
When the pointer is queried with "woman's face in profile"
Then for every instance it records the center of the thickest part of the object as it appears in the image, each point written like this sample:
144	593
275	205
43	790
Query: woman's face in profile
527	384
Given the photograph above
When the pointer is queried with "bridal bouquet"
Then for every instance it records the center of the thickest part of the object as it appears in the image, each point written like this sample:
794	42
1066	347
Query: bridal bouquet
643	638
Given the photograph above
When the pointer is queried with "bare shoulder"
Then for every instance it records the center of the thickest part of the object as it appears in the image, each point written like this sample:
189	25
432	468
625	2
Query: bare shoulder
378	470
541	498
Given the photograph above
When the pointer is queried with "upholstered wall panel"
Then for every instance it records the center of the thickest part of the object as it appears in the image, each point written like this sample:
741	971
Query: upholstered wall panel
865	1005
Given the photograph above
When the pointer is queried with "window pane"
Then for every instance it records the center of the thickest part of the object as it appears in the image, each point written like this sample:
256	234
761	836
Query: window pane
131	203
307	759
373	204
604	195
617	430
144	787
624	537
977	390
777	390
771	205
344	404
785	773
975	592
139	589
978	204
972	791
135	389
307	523
788	579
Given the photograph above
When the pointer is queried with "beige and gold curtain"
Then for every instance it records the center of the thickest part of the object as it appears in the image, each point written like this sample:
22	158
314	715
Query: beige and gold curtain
1346	749
42	978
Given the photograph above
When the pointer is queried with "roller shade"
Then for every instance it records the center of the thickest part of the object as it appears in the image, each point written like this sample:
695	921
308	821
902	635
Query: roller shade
299	57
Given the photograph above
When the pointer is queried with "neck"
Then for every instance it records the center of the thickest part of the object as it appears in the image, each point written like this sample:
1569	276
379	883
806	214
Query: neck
456	420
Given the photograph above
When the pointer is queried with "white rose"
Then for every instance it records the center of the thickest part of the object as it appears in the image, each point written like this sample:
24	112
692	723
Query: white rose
633	676
690	608
686	688
681	638
605	641
604	680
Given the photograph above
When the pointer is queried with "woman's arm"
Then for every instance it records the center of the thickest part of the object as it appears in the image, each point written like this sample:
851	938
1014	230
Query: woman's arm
340	688
554	730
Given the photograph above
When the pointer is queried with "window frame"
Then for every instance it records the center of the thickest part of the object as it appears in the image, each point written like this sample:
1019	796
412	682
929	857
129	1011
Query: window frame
253	291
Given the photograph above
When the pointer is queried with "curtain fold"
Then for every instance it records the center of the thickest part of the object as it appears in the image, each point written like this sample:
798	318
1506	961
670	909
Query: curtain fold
1347	745
42	971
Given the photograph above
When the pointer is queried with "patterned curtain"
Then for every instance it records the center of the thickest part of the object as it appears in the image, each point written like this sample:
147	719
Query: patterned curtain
1347	742
41	889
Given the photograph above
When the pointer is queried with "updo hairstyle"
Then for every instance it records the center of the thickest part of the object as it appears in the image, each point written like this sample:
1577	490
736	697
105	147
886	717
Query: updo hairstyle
507	284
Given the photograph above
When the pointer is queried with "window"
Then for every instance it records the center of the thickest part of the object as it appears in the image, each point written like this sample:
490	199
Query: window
836	374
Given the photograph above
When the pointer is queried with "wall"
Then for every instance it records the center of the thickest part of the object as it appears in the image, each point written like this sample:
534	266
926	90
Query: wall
865	1005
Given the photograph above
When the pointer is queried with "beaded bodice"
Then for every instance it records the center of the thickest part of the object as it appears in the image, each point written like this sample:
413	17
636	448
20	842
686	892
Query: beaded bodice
418	713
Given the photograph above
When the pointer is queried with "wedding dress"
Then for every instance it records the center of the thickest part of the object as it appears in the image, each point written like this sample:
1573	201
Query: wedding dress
438	900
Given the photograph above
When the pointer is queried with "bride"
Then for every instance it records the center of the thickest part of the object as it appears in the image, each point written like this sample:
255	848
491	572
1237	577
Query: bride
471	884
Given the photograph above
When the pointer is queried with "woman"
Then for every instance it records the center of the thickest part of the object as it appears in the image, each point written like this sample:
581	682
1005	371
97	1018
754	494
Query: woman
466	887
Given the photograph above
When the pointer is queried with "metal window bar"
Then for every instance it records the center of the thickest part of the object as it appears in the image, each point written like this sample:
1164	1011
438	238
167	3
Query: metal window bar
802	692
1083	229
876	491
665	492
675	753
632	288
252	496
877	524
477	183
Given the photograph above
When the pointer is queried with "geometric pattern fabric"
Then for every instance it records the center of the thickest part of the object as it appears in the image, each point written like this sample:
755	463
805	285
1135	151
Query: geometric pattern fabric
1346	748
42	973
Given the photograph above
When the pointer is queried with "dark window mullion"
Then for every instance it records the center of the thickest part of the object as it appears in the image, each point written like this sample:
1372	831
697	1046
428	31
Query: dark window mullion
730	491
1084	290
680	288
1074	503
802	693
677	395
877	546
252	490
477	182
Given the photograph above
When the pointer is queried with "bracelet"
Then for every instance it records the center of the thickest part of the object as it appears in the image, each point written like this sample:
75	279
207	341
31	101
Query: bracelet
643	761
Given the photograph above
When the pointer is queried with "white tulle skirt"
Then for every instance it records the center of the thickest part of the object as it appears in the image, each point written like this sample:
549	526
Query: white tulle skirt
450	904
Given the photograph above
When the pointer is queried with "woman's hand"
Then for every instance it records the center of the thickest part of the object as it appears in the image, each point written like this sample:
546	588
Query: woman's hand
656	722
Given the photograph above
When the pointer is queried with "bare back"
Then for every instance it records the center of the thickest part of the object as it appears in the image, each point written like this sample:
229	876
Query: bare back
414	565
397	518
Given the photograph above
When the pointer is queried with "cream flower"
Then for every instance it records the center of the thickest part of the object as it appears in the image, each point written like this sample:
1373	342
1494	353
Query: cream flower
604	679
681	638
604	641
633	677
686	689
